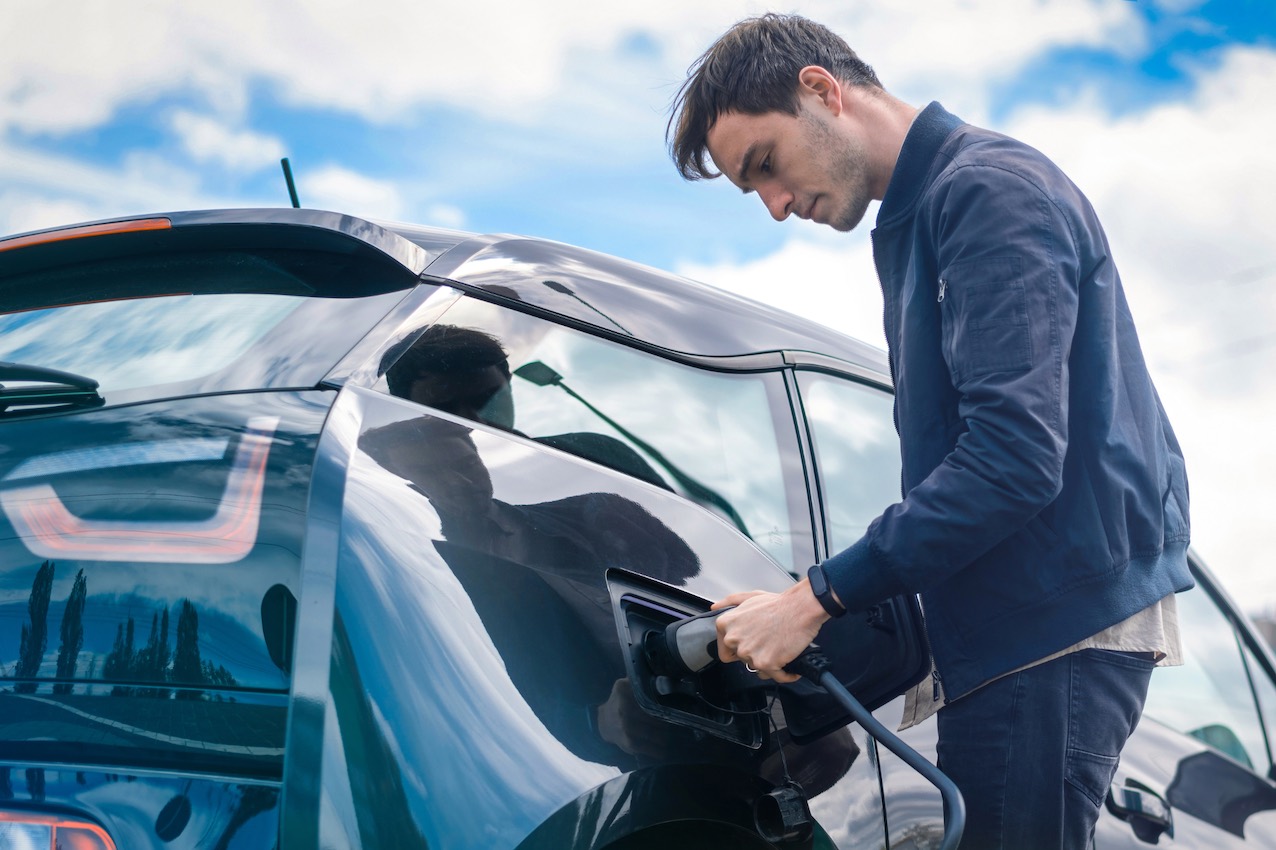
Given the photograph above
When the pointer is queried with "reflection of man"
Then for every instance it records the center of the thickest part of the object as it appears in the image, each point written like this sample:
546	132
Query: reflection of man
457	370
1044	519
535	572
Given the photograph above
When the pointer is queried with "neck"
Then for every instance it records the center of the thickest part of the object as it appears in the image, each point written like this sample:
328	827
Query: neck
887	120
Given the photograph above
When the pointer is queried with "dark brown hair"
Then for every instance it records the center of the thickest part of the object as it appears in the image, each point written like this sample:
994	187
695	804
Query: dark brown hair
753	69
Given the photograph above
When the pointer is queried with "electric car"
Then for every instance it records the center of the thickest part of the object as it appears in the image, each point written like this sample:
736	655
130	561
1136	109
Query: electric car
321	533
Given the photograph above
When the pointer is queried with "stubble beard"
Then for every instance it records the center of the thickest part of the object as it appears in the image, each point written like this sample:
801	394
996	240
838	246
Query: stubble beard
850	170
847	167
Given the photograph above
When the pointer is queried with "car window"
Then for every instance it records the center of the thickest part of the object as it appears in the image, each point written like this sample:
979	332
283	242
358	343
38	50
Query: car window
856	451
194	321
145	341
1209	697
723	440
1265	693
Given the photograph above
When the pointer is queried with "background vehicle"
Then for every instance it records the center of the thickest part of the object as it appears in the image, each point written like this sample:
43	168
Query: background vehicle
323	533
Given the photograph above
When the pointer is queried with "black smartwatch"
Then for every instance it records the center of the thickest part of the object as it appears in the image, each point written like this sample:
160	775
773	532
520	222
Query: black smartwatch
823	593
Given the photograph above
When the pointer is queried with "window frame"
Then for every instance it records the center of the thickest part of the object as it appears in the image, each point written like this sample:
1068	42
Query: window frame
1246	639
808	532
826	366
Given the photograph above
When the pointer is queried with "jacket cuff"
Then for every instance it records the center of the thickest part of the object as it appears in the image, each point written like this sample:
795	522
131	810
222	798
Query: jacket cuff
860	577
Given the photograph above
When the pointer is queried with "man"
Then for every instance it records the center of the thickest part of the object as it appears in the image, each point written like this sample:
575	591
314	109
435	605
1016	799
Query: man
1044	517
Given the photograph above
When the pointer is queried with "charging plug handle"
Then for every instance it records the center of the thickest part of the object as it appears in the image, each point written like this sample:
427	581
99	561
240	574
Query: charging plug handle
684	646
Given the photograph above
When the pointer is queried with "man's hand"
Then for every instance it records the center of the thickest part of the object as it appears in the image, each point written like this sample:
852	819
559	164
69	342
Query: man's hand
768	630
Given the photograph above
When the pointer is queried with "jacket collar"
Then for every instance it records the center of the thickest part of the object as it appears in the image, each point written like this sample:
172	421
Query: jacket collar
930	128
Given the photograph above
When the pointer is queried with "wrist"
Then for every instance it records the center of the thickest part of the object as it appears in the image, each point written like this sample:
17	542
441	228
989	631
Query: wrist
823	592
805	608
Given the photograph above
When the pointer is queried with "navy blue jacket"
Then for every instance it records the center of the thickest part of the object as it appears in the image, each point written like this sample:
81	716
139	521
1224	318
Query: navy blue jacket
1045	496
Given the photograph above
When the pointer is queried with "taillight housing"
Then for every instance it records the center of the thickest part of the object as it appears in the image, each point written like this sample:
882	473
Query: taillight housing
19	829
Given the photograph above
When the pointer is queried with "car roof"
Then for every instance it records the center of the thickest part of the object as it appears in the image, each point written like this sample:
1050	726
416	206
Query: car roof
612	296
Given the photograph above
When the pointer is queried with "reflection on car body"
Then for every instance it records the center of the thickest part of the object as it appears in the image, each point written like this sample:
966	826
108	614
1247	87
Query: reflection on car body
324	533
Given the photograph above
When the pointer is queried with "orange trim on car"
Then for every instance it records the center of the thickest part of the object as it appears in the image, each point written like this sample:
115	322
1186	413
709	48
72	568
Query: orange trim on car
66	233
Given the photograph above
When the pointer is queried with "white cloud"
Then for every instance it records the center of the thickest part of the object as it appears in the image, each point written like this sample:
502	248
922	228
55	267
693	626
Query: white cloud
445	215
21	211
335	188
208	139
40	185
818	274
61	72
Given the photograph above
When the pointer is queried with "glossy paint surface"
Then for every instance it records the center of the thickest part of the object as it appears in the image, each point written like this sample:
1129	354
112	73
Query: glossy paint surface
641	303
148	555
477	665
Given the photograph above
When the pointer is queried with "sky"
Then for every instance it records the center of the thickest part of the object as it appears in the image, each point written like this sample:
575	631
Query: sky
548	119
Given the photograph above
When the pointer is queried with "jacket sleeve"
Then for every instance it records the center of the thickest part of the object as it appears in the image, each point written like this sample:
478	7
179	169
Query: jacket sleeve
1007	291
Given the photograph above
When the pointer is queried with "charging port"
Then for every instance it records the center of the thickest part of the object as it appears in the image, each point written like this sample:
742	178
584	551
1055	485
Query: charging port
722	700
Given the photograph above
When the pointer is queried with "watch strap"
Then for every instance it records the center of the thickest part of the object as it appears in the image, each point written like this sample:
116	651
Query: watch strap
823	592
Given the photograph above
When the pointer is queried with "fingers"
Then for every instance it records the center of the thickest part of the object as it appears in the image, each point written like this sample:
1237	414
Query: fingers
735	599
764	630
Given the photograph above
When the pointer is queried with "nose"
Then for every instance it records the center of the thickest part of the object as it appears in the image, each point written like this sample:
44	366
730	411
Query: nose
778	201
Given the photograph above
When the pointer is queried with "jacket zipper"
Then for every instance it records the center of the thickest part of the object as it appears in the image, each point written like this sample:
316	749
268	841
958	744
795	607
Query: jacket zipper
943	288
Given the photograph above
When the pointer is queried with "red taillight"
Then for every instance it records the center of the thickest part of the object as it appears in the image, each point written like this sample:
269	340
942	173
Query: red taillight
55	832
85	230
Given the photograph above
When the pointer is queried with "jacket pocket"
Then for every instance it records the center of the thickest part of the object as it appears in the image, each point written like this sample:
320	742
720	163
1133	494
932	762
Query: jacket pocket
984	311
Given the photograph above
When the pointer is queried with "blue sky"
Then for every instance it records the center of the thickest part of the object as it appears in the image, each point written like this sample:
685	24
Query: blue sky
548	119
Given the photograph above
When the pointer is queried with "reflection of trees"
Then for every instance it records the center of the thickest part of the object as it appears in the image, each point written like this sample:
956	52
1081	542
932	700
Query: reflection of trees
119	662
35	633
151	662
72	633
147	665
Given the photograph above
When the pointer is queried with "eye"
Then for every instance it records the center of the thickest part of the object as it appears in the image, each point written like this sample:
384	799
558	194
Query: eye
765	166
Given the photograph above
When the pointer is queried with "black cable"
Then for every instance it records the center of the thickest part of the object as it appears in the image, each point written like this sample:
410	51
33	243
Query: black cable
813	665
784	762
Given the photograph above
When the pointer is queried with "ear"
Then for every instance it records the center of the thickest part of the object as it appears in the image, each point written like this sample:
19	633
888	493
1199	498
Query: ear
819	83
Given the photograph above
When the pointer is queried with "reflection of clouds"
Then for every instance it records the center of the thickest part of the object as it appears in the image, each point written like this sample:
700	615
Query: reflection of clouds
126	344
1211	687
865	424
460	726
703	422
851	817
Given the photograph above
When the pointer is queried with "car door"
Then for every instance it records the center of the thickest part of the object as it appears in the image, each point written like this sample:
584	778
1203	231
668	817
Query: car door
494	558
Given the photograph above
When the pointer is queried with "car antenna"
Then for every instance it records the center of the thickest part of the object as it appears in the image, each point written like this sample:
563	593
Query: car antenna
292	187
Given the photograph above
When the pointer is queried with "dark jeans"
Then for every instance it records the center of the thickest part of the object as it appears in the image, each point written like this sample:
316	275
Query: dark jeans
1034	752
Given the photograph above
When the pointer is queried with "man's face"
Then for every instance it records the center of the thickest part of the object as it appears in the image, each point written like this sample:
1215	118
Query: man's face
805	164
